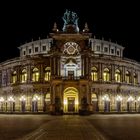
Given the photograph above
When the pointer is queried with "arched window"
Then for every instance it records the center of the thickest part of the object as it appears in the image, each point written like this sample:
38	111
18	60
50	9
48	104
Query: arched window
135	79
106	74
47	74
35	75
117	75
127	77
24	76
94	74
14	77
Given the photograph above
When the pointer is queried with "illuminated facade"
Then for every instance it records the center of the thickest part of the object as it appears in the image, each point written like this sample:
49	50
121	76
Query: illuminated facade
70	72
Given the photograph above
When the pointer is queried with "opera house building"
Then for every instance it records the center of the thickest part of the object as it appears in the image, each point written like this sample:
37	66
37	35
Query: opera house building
70	72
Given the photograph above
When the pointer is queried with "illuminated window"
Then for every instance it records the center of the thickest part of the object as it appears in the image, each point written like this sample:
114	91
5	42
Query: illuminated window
14	77
24	76
106	74
127	77
93	97
94	74
117	76
35	75
135	78
47	73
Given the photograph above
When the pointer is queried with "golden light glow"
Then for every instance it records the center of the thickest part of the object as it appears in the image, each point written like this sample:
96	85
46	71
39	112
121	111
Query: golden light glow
24	76
117	76
36	98
22	98
70	92
14	77
11	99
130	99
1	99
94	76
119	98
35	75
106	74
105	98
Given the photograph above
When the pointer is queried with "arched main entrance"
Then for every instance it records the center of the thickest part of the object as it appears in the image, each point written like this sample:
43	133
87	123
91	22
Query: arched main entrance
70	100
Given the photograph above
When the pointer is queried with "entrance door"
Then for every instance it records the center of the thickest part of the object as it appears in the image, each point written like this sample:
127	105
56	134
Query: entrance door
71	74
71	104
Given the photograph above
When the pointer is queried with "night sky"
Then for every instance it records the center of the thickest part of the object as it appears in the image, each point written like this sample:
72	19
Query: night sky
21	22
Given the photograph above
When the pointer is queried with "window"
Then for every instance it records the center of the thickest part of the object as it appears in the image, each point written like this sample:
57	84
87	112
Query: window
127	77
106	74
135	80
47	73
35	75
14	77
24	76
44	48
94	75
36	49
112	51
117	76
24	52
97	48
30	51
118	52
105	49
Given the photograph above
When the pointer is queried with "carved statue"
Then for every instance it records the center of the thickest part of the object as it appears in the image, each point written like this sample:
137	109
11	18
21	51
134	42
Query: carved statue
70	18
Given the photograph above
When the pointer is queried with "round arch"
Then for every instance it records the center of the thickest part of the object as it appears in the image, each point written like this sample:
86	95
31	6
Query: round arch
70	99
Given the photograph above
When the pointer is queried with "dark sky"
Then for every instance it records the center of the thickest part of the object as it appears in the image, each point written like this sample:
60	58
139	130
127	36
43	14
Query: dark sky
20	22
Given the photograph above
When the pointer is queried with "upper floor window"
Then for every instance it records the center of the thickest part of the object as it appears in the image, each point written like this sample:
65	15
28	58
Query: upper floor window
24	52
36	49
35	74
98	48
112	51
30	51
127	77
24	76
117	75
44	48
118	52
14	77
106	74
105	49
94	74
47	74
135	80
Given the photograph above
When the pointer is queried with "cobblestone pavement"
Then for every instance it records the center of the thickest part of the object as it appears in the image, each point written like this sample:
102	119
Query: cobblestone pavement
66	128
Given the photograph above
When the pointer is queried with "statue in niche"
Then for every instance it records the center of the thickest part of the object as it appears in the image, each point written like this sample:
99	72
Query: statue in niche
70	18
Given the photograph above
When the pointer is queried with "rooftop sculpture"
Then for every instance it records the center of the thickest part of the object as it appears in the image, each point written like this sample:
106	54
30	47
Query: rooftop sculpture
70	18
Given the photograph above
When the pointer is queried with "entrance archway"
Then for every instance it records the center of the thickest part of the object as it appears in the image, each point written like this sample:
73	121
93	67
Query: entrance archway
70	100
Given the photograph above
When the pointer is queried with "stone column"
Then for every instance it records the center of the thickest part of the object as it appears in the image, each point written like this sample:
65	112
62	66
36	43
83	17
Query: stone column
29	73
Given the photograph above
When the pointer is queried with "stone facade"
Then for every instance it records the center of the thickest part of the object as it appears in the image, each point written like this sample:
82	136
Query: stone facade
70	72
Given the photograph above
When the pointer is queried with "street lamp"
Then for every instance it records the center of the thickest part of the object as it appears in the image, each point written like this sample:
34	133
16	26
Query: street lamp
11	101
22	99
119	99
106	100
1	103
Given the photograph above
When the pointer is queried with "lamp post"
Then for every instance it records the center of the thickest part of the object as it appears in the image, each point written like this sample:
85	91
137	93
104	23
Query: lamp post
139	104
1	103
106	100
23	100
11	101
130	100
118	99
35	103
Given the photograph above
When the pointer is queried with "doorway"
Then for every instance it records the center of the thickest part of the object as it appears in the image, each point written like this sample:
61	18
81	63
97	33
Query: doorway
70	100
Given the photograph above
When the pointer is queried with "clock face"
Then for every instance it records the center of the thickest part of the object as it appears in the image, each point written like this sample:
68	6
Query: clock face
71	48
